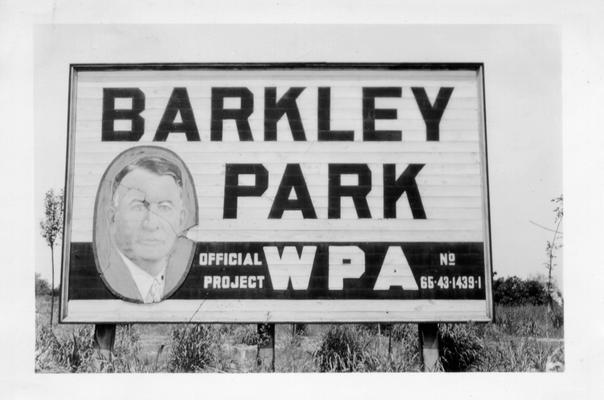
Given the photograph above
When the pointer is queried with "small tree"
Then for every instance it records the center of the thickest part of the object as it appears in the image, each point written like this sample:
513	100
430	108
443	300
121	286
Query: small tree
554	245
553	309
51	229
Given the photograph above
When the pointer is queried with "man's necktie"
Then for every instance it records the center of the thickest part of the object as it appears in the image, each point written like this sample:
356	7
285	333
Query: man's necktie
155	293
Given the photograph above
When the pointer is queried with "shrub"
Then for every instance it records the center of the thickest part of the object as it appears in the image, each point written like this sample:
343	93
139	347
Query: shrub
460	346
514	291
344	348
192	348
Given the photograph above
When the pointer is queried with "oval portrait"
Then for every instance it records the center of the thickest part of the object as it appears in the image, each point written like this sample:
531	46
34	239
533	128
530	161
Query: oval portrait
145	205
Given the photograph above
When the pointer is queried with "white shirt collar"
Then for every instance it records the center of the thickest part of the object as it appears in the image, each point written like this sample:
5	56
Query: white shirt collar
142	278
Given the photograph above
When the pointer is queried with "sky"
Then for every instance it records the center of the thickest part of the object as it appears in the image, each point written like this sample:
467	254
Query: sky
523	103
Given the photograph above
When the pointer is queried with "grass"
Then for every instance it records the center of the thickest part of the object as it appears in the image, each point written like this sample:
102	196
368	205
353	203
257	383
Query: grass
193	348
523	338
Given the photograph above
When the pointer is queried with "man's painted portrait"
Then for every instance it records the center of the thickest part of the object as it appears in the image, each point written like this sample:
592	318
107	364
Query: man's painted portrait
144	207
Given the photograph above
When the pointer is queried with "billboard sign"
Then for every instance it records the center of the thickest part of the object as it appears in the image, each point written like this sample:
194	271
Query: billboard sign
276	193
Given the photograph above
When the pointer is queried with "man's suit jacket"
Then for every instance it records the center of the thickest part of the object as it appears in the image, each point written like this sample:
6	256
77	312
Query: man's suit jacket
119	281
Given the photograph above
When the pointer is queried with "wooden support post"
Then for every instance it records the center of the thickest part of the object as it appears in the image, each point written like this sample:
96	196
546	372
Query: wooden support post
428	342
266	347
104	339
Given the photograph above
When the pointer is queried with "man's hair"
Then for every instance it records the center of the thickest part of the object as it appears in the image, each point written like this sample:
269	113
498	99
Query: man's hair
154	164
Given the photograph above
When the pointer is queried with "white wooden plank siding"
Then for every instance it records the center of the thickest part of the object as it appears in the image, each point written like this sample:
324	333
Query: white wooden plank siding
450	184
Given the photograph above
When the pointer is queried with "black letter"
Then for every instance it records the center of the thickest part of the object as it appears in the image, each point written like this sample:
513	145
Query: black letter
274	110
432	115
370	114
393	190
232	189
292	179
110	114
240	115
324	118
357	192
179	101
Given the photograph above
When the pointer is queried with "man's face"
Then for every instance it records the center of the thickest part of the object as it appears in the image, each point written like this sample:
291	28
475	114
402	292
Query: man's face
148	216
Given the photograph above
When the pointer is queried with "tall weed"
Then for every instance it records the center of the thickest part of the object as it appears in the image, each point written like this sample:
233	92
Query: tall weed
58	354
125	355
345	348
460	347
522	355
529	320
76	352
193	348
